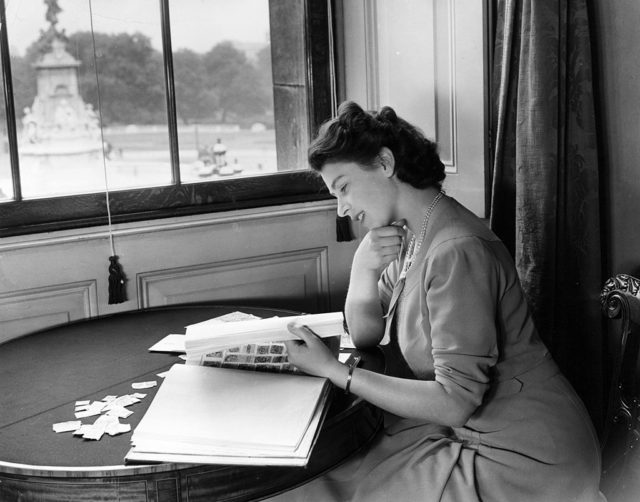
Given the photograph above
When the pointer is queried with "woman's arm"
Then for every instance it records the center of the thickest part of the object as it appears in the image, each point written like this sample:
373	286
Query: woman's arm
462	284
363	310
420	399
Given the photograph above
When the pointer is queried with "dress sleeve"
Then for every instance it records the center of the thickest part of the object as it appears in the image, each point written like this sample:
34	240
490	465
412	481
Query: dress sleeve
461	284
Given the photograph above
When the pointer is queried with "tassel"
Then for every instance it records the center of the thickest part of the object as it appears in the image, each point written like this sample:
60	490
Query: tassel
343	229
117	279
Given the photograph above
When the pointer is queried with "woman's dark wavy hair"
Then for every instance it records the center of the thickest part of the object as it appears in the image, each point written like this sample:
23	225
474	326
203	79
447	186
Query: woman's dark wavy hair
357	136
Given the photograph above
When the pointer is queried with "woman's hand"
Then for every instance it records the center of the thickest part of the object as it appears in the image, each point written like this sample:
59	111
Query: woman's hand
380	246
310	354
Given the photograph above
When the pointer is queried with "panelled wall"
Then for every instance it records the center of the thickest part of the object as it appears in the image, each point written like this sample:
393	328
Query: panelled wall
425	58
286	257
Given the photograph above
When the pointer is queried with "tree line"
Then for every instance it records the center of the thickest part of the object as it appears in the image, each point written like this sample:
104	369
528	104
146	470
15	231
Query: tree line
221	85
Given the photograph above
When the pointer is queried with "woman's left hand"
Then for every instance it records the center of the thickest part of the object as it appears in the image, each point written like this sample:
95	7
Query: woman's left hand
310	354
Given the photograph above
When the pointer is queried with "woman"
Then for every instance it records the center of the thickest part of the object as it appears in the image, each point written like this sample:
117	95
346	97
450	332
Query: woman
480	411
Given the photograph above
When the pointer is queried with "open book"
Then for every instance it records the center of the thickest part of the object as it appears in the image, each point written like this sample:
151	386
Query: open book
246	342
223	416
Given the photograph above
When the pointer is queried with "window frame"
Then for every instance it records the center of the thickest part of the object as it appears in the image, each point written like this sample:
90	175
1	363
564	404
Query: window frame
302	88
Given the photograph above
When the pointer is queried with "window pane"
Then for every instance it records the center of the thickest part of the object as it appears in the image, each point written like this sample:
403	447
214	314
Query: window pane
59	95
224	88
135	115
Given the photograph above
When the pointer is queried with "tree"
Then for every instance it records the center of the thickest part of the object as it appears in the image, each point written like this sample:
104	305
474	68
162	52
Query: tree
265	78
243	96
130	76
24	83
220	85
236	82
195	100
263	67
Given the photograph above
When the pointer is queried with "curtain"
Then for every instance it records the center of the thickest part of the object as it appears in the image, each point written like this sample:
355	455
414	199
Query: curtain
545	201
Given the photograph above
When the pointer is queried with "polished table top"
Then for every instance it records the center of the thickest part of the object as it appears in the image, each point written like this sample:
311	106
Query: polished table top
42	375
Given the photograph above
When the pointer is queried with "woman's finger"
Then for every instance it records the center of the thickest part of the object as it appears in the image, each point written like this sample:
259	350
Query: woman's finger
302	331
292	345
388	231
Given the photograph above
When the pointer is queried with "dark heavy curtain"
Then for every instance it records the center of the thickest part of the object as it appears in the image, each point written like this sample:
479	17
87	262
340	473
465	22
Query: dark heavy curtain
544	195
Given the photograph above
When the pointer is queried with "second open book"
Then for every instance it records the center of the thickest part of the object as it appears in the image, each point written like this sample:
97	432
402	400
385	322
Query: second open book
243	341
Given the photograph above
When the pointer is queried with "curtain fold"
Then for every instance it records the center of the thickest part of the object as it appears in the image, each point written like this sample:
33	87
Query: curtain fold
545	181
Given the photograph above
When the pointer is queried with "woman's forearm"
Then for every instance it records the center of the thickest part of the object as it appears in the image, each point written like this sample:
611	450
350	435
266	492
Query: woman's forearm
419	399
363	311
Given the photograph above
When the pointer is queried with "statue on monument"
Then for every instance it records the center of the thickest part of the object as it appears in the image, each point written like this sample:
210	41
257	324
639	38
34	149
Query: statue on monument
53	9
51	33
58	122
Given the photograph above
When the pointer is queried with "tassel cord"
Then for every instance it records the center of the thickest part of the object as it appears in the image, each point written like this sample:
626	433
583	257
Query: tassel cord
117	278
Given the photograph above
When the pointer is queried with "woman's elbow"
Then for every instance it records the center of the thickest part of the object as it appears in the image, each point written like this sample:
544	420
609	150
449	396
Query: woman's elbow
459	416
449	414
365	343
367	338
458	411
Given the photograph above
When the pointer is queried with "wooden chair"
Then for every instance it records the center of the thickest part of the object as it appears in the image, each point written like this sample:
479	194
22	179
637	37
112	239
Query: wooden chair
620	302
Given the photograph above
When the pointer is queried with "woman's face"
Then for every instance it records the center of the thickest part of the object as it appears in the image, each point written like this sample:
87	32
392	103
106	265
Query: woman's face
366	195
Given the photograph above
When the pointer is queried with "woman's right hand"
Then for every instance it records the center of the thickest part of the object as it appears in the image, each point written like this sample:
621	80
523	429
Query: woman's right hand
380	246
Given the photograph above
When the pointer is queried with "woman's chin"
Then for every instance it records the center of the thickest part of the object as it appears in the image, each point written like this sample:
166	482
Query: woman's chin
370	225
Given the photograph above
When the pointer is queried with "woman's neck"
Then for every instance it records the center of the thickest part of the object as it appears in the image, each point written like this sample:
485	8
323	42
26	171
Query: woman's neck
414	204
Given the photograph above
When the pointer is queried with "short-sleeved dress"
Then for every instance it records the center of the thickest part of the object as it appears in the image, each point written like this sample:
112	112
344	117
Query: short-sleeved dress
460	317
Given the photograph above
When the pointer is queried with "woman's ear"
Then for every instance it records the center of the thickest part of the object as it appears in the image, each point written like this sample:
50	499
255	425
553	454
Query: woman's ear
387	161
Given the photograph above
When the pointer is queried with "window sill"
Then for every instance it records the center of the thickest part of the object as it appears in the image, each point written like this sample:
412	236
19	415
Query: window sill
173	223
61	213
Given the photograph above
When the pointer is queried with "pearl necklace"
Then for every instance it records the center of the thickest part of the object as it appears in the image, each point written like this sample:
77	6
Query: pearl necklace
414	247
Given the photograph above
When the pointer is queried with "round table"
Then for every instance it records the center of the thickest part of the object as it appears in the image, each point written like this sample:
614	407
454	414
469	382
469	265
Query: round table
43	374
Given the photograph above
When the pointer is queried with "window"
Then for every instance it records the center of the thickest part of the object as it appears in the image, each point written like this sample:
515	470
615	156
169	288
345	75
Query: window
177	107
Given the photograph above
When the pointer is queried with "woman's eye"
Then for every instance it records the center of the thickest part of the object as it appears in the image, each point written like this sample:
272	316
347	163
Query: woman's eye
343	189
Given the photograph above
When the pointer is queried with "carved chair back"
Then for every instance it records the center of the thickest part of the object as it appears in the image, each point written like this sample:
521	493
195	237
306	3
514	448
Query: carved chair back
620	303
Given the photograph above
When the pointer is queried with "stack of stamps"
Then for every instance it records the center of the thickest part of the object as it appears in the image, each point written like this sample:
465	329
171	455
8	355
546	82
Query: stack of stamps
253	356
253	345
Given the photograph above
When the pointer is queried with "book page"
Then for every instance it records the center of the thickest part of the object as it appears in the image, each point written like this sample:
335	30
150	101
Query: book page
232	408
206	337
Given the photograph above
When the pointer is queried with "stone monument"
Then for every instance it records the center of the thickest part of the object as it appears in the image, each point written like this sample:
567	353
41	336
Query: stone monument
59	122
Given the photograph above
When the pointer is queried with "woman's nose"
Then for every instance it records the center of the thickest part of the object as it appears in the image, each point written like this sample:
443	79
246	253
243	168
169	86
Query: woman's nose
343	207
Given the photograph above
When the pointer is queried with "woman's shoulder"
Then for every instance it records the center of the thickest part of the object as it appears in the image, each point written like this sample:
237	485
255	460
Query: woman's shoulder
469	250
462	238
458	226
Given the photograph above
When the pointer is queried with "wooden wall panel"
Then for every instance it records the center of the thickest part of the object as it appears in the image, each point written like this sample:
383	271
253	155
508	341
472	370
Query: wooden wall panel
296	280
283	257
24	311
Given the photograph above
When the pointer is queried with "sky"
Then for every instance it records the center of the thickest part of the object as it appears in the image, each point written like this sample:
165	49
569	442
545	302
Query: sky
195	24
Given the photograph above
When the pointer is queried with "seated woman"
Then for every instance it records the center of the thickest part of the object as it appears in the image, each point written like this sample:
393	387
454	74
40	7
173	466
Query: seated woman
481	411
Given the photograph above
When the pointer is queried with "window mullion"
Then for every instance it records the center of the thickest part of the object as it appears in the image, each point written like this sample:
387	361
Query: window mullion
170	91
319	71
12	134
